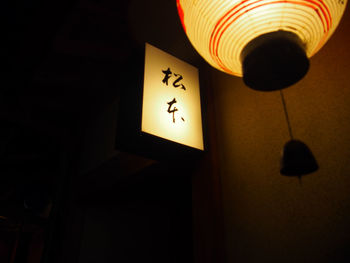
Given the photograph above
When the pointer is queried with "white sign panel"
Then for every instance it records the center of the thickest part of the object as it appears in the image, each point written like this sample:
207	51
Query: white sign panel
171	106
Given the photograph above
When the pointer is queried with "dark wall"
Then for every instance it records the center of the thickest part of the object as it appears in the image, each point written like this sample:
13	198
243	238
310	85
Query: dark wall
146	217
269	217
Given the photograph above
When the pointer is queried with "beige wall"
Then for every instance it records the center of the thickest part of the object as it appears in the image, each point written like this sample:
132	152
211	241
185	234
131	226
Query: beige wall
269	217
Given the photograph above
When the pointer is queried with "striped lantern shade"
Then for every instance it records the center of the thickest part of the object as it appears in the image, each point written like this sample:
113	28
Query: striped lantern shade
268	42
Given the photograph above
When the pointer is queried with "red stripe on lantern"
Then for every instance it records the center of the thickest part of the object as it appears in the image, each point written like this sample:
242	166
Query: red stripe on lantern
216	37
181	14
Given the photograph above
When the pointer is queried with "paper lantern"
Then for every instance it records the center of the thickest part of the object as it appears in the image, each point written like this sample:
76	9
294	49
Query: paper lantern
268	42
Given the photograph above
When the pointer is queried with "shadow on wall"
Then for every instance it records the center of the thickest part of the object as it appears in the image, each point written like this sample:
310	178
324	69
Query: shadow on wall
148	218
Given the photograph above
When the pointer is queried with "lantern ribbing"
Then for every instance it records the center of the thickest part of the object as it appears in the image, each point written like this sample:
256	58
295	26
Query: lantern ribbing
220	29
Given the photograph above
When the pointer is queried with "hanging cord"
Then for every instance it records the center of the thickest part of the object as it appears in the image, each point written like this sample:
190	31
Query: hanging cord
286	114
288	123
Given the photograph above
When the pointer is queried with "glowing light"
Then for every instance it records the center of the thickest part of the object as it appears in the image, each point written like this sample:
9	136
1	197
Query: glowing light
178	120
220	29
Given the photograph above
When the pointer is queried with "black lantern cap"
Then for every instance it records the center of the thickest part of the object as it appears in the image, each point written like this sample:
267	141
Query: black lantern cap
297	159
274	61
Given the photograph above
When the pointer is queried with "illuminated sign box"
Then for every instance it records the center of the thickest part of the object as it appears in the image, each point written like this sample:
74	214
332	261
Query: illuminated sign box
166	101
171	107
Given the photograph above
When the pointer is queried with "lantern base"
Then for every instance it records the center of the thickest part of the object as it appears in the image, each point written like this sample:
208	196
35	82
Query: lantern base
274	61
